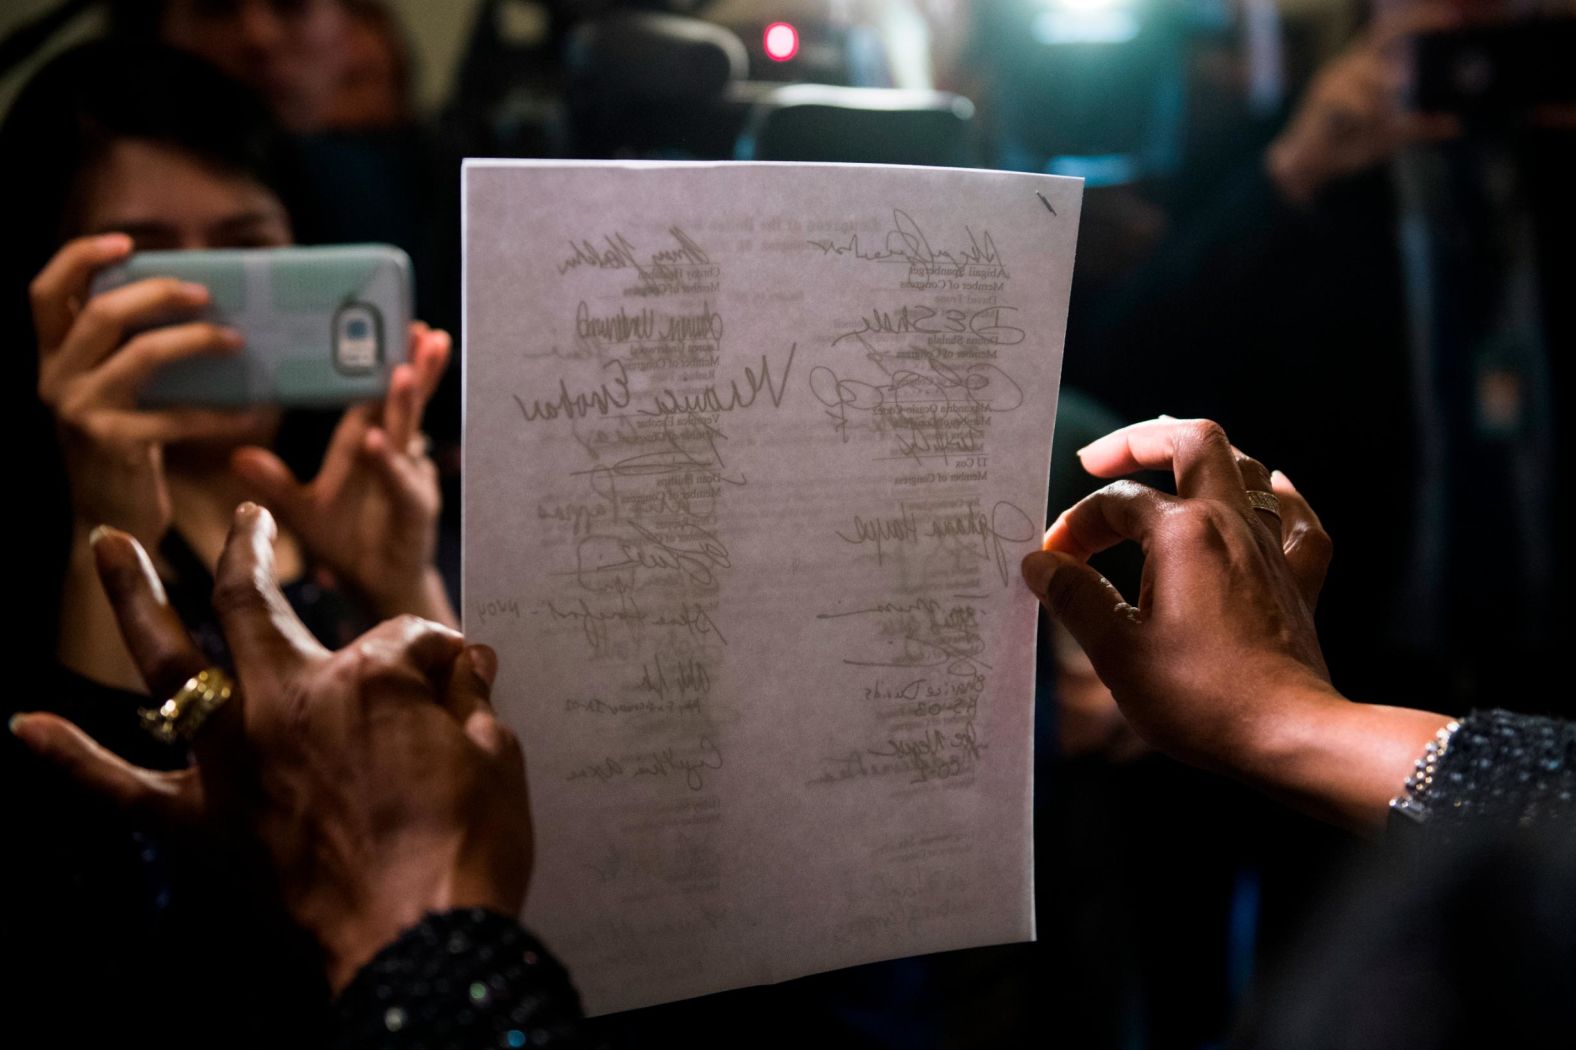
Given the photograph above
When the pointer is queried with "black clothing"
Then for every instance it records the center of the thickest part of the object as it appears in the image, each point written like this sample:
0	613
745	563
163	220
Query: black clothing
1503	768
467	978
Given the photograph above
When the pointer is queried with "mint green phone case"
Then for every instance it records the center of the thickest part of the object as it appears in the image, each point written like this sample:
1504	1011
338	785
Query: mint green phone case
324	326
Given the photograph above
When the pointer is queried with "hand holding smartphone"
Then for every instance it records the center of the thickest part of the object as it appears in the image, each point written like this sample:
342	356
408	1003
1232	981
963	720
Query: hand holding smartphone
323	326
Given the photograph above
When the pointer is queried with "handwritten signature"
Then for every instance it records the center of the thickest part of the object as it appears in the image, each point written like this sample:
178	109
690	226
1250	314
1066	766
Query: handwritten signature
664	763
935	386
711	399
615	252
580	404
693	552
986	323
906	242
987	535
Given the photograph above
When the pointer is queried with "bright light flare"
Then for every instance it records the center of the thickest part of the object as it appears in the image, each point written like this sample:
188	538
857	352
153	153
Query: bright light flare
782	41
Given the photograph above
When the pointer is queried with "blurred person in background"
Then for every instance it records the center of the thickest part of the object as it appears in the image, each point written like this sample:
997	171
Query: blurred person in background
338	75
142	147
294	53
1390	277
1399	269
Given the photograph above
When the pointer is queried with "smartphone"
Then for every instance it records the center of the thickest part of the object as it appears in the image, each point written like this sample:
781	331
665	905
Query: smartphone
1496	69
324	326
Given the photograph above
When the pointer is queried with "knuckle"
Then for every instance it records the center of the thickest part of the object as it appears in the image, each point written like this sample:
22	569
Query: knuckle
237	592
40	292
410	625
167	666
1207	432
1196	520
1126	489
97	313
120	579
1063	594
1317	544
382	667
499	738
75	417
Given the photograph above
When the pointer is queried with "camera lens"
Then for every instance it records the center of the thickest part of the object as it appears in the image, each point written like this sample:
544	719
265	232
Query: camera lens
358	328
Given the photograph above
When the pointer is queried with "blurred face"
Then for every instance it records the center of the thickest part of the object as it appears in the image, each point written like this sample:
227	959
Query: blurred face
166	199
369	92
289	51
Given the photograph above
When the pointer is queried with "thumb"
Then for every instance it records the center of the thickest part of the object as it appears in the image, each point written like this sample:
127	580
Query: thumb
1080	599
172	797
469	699
274	484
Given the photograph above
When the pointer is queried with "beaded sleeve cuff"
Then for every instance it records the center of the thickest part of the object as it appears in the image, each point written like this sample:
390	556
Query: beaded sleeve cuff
469	978
1413	800
1498	767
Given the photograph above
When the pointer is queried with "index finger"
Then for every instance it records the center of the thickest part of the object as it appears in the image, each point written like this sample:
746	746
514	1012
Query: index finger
1197	451
1124	510
265	636
414	383
160	646
63	283
429	354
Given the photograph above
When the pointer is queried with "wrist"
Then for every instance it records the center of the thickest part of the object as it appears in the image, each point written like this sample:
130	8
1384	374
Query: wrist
1336	759
1276	745
350	937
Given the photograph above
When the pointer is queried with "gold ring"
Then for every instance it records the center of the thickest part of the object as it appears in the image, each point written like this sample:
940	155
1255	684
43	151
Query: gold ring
178	718
1268	502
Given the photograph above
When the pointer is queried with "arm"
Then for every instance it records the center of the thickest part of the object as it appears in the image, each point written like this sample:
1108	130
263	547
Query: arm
1354	115
93	357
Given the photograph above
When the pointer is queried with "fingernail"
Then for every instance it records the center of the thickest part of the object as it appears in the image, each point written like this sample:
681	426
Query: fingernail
15	721
233	338
114	242
1081	451
1169	419
246	509
485	663
98	533
195	290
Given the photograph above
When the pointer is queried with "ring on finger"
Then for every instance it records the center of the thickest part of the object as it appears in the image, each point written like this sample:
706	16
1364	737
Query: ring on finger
178	718
1268	502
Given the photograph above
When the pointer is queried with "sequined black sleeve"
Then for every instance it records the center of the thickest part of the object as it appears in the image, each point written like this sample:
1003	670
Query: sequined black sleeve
470	978
1497	767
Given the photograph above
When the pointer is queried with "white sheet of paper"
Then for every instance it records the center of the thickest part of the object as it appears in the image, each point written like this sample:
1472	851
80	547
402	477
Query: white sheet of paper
752	452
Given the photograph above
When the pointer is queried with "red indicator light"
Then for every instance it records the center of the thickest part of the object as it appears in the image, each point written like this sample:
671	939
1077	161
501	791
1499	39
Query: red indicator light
782	41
